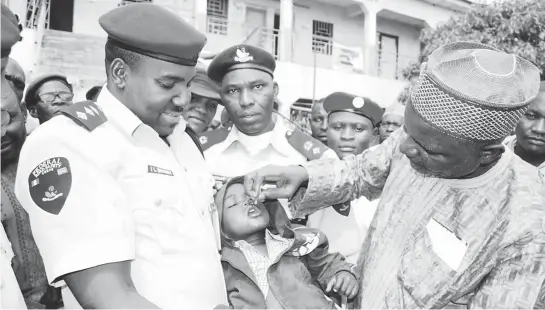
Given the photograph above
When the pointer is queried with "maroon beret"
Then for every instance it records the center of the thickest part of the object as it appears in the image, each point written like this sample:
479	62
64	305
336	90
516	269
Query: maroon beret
366	107
154	31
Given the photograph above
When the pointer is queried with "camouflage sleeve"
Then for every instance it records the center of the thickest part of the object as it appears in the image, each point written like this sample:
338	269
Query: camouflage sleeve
516	283
333	181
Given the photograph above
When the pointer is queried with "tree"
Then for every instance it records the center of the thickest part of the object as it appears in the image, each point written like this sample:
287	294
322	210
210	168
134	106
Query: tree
512	26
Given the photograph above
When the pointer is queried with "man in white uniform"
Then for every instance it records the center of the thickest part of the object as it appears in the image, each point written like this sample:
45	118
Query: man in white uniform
117	191
261	137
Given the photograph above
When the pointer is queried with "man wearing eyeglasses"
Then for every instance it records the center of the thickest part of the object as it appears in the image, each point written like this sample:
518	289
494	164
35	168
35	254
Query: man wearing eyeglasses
47	95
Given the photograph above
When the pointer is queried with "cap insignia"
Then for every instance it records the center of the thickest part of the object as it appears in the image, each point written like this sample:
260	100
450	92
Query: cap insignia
358	102
242	55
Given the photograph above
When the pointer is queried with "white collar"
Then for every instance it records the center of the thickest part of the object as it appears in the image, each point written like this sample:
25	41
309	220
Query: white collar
117	112
276	138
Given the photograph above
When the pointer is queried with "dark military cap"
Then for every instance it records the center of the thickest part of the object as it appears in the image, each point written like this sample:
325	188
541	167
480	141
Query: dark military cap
31	92
203	86
153	31
366	107
11	33
241	56
93	93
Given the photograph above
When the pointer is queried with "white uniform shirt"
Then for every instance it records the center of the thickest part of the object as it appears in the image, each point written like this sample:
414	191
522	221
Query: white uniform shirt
240	154
132	197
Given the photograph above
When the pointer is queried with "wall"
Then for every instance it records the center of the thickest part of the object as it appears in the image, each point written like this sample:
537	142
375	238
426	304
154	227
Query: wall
346	31
296	81
419	9
87	13
408	39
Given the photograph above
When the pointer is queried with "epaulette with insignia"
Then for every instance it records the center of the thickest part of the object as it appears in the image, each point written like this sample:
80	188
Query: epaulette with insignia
87	114
211	138
305	144
313	149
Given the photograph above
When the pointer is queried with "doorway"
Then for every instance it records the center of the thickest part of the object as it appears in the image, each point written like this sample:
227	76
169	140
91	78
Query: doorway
61	15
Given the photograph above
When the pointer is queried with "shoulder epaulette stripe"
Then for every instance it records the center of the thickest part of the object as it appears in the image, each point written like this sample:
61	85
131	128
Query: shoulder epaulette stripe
86	114
305	144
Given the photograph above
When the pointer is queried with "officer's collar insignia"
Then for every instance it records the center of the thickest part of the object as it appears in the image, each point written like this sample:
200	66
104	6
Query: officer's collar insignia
243	56
358	102
203	139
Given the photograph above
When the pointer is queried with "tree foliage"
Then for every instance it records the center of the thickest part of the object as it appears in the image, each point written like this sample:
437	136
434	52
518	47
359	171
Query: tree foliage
513	26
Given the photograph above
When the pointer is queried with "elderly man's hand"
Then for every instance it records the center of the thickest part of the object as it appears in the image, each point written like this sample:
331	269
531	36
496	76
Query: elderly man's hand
285	181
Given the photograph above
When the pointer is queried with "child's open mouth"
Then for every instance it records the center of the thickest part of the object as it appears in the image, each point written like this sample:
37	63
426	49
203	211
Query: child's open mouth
253	211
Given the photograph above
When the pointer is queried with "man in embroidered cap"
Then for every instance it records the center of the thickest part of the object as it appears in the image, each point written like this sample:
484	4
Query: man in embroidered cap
205	97
117	190
391	120
461	220
259	136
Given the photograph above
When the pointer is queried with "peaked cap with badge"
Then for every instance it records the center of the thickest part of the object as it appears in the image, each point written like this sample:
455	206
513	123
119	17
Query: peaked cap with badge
474	91
153	31
242	56
11	33
203	86
365	107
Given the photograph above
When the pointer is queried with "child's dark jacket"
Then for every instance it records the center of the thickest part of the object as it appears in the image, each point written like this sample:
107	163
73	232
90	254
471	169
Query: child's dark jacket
297	280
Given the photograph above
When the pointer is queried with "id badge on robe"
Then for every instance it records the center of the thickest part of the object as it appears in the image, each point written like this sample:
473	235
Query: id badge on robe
449	247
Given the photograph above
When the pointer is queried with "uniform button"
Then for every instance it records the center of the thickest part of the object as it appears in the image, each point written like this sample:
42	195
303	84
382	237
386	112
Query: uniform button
158	201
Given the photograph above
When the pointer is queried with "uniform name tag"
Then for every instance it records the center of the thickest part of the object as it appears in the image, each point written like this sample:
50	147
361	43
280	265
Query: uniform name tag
449	247
157	170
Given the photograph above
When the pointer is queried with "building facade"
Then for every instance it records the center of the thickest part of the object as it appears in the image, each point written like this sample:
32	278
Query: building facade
322	46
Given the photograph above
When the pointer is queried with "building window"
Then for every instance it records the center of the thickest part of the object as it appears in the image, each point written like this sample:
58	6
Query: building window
217	16
322	37
388	56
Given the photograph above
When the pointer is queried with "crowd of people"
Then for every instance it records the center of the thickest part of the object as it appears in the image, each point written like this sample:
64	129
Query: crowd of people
138	198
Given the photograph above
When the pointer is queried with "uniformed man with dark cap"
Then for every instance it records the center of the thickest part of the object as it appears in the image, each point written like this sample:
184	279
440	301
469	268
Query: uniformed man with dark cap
352	126
92	93
47	95
117	191
205	97
259	136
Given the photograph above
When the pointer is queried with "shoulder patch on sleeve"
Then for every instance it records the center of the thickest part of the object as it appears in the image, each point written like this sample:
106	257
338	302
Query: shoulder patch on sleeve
211	138
305	144
49	184
86	114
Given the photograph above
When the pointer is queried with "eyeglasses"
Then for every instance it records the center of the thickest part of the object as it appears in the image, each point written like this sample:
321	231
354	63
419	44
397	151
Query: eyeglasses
50	97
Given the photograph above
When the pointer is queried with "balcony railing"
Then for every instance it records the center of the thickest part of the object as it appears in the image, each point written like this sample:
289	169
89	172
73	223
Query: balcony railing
233	33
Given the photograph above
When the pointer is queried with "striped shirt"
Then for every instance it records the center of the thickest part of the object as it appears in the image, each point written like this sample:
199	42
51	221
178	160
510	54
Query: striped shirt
260	263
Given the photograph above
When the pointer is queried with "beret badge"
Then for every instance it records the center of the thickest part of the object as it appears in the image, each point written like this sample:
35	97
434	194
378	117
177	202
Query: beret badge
242	55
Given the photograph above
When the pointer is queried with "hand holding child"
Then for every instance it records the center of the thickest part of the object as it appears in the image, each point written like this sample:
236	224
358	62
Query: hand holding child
344	283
